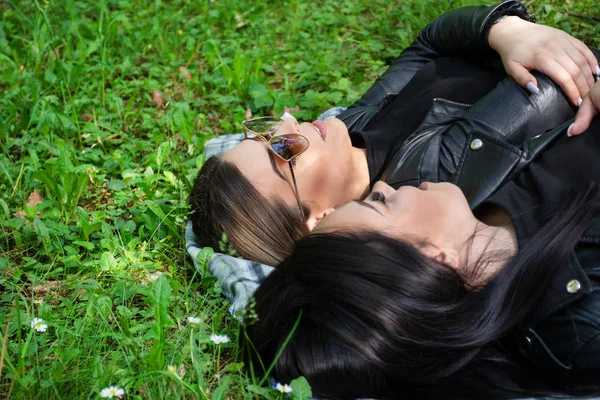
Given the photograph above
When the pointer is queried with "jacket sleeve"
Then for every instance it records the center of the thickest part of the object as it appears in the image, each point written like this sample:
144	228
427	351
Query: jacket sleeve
461	33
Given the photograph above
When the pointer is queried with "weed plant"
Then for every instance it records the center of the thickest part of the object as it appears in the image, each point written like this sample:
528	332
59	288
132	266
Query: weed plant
104	110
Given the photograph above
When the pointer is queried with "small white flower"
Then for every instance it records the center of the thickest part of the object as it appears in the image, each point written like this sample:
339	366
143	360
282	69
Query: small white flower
285	388
193	320
218	339
39	302
39	325
190	150
153	277
112	391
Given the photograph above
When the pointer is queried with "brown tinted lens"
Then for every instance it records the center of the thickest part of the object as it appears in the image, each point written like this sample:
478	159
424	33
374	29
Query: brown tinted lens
262	126
289	146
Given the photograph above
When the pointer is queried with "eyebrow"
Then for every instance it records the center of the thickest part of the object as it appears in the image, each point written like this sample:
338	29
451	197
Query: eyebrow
272	160
365	204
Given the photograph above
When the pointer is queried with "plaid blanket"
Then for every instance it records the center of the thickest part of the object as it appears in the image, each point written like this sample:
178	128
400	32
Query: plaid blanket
239	278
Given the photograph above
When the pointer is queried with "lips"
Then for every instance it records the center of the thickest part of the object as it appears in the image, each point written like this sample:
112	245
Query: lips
321	128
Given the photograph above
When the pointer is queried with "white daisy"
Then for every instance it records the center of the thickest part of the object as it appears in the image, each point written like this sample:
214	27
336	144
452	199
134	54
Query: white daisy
39	325
218	339
283	388
153	277
193	320
112	391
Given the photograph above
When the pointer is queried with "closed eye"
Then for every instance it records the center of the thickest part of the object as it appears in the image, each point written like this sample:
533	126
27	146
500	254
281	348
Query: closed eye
377	196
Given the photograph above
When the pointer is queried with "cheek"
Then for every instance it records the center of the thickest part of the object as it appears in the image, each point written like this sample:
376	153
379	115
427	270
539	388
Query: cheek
424	212
314	180
315	162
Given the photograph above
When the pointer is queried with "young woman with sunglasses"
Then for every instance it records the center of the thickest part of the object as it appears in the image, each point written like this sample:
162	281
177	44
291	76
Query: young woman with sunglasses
250	194
410	294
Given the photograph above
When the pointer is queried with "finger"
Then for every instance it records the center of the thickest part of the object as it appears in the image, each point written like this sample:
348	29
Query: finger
576	74
583	119
589	56
522	76
561	76
583	65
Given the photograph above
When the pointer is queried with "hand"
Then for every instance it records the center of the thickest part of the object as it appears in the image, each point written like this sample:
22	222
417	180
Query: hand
524	46
587	111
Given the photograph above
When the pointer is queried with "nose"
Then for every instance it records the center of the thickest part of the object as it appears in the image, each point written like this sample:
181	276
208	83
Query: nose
289	125
381	186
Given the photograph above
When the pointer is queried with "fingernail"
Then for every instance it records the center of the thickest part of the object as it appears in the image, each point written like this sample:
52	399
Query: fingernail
286	115
532	88
569	130
579	101
597	70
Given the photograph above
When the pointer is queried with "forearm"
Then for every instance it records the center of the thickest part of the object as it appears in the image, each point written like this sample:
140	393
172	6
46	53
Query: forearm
461	33
464	32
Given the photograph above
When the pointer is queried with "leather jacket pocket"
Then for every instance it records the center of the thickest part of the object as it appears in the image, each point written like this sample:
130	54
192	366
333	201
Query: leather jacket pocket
533	347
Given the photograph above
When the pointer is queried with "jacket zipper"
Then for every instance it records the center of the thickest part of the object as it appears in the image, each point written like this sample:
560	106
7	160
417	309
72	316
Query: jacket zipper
454	103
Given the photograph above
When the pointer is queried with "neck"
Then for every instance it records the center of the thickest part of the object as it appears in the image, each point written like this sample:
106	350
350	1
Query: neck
360	179
494	243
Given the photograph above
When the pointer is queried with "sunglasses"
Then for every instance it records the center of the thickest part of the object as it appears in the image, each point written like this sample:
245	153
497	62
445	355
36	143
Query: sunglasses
286	146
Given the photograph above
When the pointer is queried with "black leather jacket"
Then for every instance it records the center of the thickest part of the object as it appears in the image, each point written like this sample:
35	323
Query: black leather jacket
561	337
479	148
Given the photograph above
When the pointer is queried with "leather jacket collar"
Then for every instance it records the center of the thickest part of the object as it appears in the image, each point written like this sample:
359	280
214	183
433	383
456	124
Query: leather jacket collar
482	147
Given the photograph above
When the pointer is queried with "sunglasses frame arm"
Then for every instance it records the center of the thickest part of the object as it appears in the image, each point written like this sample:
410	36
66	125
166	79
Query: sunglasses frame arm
296	190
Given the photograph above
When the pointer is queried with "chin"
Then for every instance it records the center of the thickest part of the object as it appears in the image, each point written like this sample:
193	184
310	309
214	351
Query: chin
337	131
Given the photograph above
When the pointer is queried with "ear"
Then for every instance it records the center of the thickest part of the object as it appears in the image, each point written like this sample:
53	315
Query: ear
315	218
446	255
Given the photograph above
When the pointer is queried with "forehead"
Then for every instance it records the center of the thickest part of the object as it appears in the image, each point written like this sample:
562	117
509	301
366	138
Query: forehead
257	163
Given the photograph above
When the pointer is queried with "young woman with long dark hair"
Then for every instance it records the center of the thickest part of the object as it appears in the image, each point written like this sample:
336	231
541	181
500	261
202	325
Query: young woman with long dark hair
253	193
410	294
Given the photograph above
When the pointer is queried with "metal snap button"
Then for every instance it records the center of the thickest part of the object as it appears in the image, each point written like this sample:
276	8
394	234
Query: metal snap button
476	144
573	286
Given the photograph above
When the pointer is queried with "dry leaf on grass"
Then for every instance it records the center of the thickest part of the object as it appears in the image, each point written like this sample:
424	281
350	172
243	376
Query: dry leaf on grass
33	199
157	99
185	73
181	370
291	110
20	214
240	21
86	117
248	113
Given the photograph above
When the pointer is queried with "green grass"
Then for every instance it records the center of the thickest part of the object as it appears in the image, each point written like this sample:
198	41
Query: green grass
104	110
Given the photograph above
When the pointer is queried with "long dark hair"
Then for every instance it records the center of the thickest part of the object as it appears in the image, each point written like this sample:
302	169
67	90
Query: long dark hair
379	319
224	201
